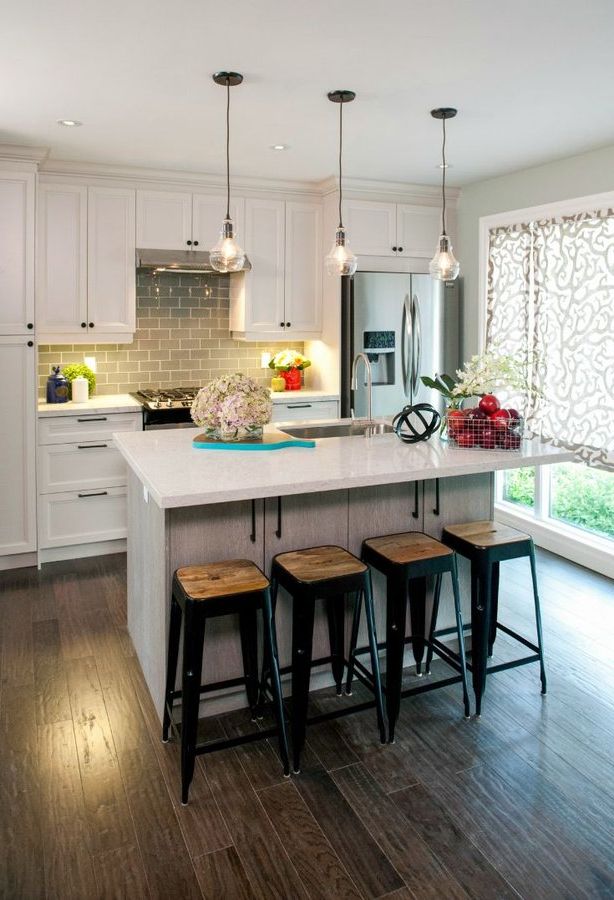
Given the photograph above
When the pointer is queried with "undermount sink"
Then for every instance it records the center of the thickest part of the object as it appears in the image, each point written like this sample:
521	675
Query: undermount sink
348	429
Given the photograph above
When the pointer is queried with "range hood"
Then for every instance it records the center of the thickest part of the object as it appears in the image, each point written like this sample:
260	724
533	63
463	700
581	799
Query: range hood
188	262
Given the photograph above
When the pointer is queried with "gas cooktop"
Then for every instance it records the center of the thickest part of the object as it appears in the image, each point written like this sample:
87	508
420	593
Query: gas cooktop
167	398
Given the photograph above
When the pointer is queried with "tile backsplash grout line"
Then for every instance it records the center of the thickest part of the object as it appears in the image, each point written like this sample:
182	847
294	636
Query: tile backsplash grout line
182	339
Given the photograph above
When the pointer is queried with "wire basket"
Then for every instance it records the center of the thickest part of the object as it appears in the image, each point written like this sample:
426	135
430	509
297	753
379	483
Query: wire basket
463	428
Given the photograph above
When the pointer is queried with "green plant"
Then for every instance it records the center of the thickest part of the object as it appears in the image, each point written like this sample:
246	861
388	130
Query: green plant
74	370
583	497
519	486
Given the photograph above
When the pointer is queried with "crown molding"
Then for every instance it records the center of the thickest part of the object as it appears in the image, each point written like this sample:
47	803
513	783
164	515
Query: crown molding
23	153
394	191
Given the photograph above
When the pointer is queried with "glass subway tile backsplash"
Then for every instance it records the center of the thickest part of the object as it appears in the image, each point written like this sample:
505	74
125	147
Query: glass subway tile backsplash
182	339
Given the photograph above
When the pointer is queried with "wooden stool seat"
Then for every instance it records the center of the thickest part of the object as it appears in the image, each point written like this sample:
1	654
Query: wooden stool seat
408	547
486	534
221	579
320	564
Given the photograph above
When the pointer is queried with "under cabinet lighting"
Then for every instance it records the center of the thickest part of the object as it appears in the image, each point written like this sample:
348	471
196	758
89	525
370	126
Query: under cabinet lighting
70	123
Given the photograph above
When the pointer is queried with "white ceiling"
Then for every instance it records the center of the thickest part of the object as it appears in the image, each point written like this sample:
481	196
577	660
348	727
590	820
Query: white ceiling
533	80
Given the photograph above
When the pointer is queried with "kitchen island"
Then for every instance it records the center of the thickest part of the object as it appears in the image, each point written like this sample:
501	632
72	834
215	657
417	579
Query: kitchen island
189	506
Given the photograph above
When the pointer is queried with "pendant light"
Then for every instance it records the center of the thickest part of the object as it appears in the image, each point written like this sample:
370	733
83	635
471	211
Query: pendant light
227	255
443	265
341	260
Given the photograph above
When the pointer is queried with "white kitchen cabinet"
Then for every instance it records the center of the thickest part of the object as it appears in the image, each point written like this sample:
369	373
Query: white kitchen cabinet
86	285
81	517
180	220
292	410
61	266
281	297
17	193
392	229
84	466
18	445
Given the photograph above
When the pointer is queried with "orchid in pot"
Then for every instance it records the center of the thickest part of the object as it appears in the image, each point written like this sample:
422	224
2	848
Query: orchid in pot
232	408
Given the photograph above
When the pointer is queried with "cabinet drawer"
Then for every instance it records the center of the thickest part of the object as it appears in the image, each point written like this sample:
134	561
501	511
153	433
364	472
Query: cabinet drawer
82	517
86	427
78	467
305	409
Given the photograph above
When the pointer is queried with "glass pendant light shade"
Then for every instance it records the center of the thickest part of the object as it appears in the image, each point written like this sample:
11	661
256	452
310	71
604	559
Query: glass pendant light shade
227	255
341	260
444	266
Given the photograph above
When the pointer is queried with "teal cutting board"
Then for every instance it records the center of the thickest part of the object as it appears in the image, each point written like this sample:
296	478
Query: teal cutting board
272	440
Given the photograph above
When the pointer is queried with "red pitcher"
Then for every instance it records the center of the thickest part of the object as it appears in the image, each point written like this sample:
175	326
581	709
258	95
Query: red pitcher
292	378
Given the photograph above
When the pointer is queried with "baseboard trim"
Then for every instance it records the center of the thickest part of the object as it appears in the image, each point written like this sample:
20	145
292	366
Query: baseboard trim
81	551
17	561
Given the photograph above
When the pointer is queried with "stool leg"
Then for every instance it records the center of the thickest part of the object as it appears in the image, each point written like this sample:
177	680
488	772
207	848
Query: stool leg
270	641
538	618
435	611
265	662
353	641
303	608
335	612
249	649
171	665
494	607
461	635
396	606
193	640
377	678
480	609
417	603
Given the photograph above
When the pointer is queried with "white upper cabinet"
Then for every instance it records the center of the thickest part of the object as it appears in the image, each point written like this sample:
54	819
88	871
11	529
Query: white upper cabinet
163	220
371	227
111	282
17	192
86	278
391	229
304	267
182	220
61	270
281	297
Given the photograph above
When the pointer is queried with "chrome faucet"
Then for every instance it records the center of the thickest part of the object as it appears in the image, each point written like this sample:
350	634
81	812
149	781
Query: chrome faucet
354	382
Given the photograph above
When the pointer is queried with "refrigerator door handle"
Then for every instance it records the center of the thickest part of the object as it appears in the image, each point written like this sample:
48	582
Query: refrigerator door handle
407	341
416	348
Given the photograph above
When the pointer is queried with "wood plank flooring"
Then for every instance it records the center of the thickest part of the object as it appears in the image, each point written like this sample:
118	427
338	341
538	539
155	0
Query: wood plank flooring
519	803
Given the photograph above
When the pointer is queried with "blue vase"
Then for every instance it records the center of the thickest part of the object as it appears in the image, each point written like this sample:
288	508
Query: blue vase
57	387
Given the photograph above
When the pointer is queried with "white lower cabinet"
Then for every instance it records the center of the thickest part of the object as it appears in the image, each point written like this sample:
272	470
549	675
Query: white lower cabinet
82	479
294	410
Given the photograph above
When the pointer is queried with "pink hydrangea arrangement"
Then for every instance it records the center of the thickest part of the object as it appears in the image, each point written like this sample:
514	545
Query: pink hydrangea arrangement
232	404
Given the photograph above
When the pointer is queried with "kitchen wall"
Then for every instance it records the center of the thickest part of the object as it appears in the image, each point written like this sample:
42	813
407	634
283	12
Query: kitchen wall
563	179
182	338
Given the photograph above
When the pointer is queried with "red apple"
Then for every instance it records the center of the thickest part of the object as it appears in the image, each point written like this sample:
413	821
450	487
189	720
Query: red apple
465	439
512	442
514	414
500	419
489	404
456	421
488	438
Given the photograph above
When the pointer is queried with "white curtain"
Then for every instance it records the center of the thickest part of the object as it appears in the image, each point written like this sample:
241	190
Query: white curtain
551	303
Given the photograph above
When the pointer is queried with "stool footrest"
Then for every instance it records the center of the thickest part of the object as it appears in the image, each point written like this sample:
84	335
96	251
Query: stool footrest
213	686
518	637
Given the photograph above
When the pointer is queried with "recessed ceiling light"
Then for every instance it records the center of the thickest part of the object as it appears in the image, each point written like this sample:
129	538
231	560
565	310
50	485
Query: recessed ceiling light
69	123
279	147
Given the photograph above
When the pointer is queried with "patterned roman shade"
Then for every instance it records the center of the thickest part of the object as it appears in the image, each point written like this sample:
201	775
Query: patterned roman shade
550	302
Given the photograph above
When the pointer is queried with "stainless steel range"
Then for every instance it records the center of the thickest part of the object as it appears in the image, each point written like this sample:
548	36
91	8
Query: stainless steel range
167	407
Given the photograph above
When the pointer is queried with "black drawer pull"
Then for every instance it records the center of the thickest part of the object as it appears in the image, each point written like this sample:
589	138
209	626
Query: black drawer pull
97	494
92	446
299	405
94	419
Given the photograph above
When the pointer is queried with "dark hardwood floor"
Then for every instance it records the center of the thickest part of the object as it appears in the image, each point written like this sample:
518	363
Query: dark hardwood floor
519	803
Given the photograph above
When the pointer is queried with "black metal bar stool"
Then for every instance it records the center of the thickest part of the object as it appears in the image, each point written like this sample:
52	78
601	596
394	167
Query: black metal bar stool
323	573
199	593
486	545
407	560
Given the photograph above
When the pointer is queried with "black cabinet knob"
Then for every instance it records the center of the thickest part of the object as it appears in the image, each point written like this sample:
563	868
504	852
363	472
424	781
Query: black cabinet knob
400	249
196	243
83	324
91	324
30	325
281	325
189	243
30	343
288	324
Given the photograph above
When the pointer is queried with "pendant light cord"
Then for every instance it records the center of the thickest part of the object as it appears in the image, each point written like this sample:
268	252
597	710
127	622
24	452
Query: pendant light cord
443	179
228	148
340	155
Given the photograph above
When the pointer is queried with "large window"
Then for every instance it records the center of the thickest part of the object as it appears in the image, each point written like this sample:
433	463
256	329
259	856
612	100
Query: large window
548	295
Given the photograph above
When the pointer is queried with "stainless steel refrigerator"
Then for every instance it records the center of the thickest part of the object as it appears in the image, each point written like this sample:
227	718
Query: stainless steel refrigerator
408	325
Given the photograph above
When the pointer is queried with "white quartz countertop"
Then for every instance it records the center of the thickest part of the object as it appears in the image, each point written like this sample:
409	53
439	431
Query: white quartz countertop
105	403
177	474
300	396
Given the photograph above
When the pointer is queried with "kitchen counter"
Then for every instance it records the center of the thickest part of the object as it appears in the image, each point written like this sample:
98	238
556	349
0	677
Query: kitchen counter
176	474
105	403
303	394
